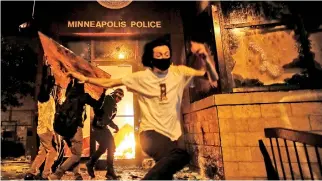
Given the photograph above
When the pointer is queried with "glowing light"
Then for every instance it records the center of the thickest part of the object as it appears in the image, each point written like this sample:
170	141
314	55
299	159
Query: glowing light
121	56
236	31
129	109
126	149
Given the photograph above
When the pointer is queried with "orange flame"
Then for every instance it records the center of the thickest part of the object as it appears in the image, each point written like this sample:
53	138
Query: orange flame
126	148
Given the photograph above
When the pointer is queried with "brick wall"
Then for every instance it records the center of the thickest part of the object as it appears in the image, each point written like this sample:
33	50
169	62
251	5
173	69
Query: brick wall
229	126
203	141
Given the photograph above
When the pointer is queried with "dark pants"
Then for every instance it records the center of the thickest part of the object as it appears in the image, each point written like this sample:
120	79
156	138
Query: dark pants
75	145
105	140
169	158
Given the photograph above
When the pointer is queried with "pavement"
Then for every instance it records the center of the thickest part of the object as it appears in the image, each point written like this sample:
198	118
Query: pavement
15	169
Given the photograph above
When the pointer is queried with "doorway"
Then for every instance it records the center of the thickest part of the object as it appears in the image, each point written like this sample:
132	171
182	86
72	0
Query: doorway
124	119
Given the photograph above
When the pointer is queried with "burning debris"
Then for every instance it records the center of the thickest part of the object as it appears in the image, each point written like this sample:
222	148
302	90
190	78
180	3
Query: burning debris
21	159
125	143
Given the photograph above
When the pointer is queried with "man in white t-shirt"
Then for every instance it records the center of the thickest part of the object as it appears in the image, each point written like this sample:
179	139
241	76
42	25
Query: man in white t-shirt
160	89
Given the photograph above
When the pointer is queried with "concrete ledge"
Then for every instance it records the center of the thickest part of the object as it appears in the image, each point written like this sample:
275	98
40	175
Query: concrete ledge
269	97
199	105
255	98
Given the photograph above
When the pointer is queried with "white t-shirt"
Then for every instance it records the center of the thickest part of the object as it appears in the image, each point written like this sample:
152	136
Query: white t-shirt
160	110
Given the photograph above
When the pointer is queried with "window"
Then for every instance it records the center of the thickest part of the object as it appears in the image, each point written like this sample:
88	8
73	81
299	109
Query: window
265	49
80	47
115	50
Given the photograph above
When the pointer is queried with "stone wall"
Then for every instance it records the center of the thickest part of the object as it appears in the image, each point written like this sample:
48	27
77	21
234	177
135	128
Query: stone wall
228	127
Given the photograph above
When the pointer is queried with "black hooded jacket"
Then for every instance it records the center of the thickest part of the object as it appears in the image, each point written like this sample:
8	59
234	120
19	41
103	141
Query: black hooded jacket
75	93
105	113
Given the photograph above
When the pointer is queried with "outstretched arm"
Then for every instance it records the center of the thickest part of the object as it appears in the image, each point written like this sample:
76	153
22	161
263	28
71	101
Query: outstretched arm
102	82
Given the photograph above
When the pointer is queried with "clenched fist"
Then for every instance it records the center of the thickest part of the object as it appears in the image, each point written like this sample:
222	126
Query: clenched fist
199	49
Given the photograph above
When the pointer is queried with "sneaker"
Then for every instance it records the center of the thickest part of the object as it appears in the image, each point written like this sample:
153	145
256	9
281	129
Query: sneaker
110	177
29	176
57	175
110	174
90	170
54	177
39	177
78	176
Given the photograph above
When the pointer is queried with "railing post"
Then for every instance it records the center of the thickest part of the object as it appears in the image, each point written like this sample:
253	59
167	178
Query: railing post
308	161
298	160
289	160
281	160
270	140
319	158
304	137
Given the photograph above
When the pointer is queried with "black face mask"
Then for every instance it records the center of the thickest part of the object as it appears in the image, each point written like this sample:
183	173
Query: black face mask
162	64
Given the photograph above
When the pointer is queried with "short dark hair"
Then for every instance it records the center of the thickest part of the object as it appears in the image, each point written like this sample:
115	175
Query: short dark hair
119	92
44	94
46	86
46	89
148	49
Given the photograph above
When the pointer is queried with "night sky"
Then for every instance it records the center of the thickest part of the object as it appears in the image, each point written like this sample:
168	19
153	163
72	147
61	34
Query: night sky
14	13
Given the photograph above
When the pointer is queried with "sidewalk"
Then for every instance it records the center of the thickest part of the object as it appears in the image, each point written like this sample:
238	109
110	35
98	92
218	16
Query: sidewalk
15	170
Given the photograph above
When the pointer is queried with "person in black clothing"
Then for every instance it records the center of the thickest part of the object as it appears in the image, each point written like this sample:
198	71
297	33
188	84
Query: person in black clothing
104	116
75	91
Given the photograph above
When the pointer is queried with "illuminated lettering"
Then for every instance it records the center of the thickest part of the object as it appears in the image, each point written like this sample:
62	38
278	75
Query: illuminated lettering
98	24
80	23
158	24
114	24
123	24
86	24
92	24
71	24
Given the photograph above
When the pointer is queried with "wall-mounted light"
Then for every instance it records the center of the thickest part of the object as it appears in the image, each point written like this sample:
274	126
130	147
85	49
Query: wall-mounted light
118	50
28	24
24	25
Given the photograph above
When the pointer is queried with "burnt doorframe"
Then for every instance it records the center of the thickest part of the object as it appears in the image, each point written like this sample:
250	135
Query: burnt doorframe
101	164
226	80
193	22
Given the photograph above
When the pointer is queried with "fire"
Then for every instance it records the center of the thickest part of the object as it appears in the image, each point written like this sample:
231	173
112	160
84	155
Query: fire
126	148
125	143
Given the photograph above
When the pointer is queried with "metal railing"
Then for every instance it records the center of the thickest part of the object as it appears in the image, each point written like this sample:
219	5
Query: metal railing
296	140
